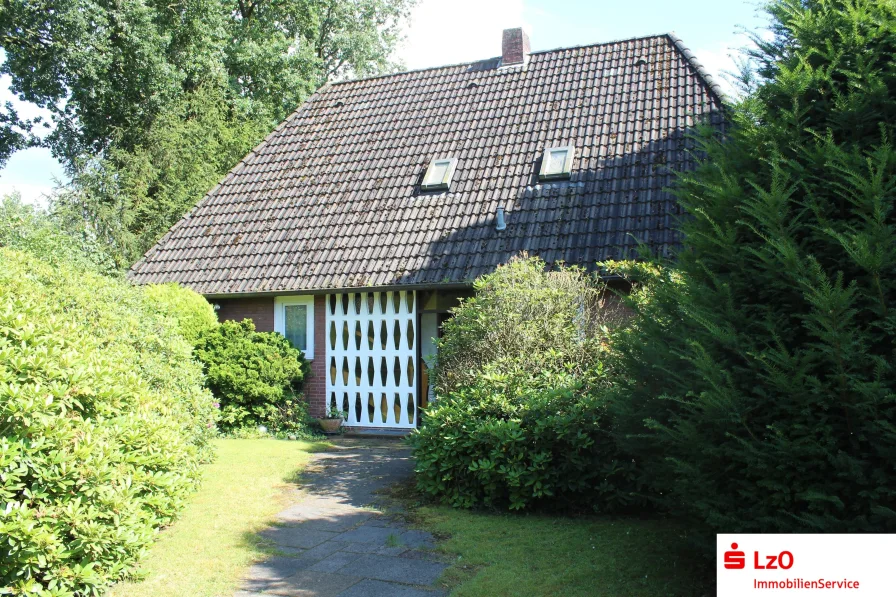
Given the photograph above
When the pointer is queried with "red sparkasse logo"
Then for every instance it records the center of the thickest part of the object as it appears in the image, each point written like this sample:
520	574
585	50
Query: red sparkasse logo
805	564
736	560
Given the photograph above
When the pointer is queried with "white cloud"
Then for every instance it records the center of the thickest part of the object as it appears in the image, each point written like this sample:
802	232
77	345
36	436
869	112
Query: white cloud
443	33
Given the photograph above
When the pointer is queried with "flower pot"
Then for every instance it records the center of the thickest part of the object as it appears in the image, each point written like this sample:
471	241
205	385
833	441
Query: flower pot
330	425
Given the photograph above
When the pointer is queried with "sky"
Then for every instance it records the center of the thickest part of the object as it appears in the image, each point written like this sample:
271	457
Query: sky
449	32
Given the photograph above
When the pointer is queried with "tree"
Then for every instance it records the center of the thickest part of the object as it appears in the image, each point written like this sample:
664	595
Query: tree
757	384
130	198
151	102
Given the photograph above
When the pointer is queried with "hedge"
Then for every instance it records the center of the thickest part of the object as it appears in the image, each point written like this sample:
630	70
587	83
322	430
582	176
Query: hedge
103	423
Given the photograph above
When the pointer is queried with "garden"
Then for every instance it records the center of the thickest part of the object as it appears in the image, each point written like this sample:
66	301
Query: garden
584	435
751	387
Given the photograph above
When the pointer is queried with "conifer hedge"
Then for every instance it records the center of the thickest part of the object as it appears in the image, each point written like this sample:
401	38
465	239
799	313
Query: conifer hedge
757	388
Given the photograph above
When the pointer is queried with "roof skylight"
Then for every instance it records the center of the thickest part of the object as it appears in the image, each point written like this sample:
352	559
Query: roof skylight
438	174
557	162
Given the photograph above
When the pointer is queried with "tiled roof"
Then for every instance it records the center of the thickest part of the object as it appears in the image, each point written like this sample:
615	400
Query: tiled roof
331	198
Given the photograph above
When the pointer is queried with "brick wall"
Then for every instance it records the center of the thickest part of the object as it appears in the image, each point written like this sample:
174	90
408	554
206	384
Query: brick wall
261	311
316	387
514	46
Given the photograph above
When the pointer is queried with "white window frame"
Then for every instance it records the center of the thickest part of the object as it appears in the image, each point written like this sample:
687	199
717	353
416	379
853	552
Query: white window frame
567	164
439	185
280	303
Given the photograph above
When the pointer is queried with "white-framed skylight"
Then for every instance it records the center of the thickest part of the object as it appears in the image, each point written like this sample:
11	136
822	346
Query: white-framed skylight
557	162
438	174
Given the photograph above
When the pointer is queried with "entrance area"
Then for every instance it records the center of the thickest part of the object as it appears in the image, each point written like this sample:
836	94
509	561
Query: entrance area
372	358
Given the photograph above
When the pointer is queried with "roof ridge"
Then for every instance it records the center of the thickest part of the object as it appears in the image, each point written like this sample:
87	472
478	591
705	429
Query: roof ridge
469	62
698	66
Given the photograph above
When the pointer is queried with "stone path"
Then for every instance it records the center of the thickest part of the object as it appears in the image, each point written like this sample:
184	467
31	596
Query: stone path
334	542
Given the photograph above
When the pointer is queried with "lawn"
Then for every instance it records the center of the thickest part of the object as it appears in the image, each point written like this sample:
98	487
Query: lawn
530	555
205	552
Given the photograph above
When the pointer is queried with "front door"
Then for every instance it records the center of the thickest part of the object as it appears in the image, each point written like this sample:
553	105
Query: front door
372	358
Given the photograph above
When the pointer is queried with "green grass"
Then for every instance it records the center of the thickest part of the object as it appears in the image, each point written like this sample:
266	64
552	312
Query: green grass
531	555
205	552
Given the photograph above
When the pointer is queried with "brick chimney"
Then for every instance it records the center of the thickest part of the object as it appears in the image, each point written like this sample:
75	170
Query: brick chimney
514	46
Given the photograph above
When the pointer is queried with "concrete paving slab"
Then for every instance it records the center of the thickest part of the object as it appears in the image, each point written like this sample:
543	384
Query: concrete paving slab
296	536
312	584
391	568
276	568
378	588
417	539
369	534
335	561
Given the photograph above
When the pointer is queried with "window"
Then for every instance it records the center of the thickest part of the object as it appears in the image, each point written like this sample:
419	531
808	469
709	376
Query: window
294	318
557	162
438	175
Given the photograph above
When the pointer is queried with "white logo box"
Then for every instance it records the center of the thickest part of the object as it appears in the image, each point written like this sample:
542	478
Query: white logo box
805	564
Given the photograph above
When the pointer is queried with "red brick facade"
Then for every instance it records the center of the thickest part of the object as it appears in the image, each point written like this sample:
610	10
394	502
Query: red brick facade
316	388
261	311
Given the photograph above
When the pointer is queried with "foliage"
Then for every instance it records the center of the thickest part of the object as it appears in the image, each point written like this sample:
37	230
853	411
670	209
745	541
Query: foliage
103	422
257	376
519	421
194	315
520	440
106	70
152	102
27	228
335	412
757	383
522	317
131	198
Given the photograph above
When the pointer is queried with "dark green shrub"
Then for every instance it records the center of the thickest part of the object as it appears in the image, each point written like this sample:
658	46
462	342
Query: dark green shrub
758	385
103	423
520	440
193	314
256	376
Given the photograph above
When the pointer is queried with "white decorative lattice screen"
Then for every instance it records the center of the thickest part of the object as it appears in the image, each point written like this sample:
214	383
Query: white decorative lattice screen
372	357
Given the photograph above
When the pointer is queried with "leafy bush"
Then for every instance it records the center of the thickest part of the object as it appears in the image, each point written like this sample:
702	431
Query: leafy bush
27	228
103	423
194	314
521	440
257	376
522	317
758	383
519	420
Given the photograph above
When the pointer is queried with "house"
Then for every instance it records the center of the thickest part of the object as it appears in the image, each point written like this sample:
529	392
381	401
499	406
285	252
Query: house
356	224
